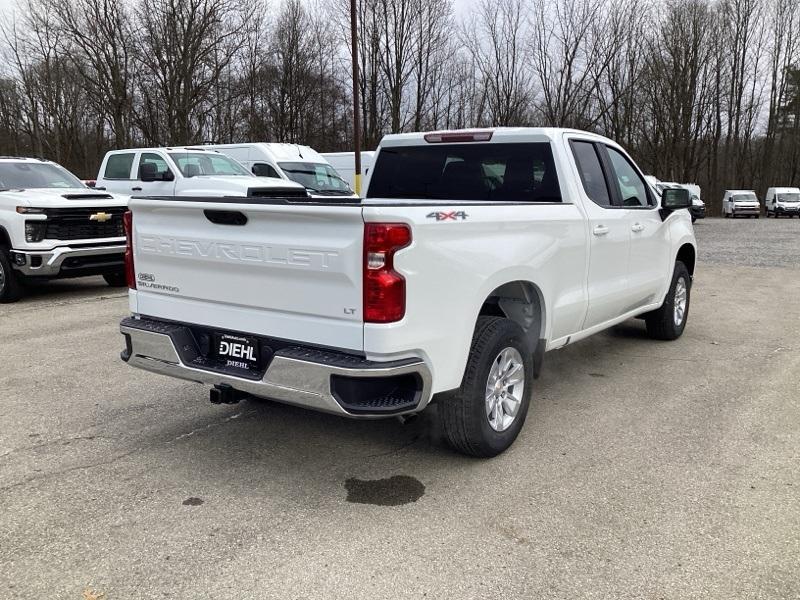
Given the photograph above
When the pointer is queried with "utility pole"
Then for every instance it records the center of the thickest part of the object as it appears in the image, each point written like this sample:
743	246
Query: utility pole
356	120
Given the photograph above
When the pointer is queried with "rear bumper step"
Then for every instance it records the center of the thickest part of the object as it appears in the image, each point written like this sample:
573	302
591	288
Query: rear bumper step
322	380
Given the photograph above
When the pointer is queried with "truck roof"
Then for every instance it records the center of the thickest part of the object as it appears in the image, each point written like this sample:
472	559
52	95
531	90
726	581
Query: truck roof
784	190
493	134
167	148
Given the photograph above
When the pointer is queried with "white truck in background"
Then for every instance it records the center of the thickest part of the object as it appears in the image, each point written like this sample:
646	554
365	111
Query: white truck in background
345	165
472	254
291	162
52	227
184	171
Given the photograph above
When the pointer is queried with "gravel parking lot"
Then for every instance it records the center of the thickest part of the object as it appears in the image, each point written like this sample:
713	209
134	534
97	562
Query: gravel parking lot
645	470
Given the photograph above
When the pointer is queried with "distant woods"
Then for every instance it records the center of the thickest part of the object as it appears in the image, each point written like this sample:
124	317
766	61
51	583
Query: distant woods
702	91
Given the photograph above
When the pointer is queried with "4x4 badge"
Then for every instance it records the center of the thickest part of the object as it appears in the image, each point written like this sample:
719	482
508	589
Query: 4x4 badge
448	216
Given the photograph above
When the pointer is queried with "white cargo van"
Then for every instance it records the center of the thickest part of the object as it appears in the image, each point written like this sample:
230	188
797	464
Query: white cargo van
782	201
297	163
736	203
345	165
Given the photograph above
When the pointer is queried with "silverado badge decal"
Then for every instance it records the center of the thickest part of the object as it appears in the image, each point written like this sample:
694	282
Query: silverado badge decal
100	217
453	215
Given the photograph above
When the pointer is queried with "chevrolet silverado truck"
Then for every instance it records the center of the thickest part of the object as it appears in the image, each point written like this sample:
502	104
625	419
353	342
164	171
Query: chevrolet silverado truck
472	254
53	226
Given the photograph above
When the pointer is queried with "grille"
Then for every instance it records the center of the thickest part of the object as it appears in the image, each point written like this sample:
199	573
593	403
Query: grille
75	223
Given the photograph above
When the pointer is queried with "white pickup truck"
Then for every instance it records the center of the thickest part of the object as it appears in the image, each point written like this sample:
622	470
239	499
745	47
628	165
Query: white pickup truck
184	171
52	226
473	253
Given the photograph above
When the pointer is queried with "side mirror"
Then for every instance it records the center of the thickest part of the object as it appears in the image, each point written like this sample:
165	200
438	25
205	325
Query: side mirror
147	172
675	198
167	176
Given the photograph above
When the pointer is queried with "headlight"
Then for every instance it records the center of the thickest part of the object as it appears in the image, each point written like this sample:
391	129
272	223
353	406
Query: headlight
34	231
30	210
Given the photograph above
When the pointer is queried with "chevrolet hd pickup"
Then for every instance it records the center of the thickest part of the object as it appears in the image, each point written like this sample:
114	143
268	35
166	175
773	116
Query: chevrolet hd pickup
185	171
472	254
53	226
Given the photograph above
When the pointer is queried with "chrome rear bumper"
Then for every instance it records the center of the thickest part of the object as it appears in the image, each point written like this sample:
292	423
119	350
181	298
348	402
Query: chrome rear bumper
295	375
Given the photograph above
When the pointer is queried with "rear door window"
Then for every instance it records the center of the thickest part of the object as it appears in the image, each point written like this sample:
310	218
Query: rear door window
118	166
471	171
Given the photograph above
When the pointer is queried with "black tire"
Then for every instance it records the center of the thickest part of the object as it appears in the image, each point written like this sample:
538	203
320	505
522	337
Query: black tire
463	412
661	323
757	216
115	279
10	283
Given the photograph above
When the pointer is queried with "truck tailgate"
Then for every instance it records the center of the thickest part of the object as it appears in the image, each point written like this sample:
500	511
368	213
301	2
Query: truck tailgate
289	271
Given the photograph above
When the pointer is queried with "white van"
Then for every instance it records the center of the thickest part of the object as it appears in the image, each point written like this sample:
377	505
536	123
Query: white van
736	203
781	201
297	163
345	165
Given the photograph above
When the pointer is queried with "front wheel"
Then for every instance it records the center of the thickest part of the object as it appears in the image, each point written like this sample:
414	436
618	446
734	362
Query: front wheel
115	279
484	416
669	321
10	284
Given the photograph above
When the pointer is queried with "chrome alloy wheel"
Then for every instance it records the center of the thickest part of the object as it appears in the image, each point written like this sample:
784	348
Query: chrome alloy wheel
505	388
680	301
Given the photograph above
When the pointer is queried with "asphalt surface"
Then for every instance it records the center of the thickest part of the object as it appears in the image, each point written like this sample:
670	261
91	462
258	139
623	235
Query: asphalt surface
658	470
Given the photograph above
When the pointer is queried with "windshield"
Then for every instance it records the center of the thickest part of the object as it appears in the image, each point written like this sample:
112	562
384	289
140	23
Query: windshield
788	197
316	177
27	175
193	164
745	198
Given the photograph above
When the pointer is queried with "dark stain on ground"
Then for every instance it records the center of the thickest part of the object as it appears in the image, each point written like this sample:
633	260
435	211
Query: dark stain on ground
392	491
192	501
596	375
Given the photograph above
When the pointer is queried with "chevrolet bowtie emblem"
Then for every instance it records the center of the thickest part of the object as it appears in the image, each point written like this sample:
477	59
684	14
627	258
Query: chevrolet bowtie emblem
100	217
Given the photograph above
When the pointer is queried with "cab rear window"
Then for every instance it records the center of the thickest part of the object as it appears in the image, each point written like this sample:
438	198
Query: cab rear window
471	171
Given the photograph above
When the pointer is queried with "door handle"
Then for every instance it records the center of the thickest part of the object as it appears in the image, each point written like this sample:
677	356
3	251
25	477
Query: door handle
136	189
637	227
600	230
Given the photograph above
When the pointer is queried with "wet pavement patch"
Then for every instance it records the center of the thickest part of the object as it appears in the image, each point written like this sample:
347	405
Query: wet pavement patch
192	501
392	491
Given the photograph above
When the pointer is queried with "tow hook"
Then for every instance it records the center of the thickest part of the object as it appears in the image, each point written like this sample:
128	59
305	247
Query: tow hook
225	394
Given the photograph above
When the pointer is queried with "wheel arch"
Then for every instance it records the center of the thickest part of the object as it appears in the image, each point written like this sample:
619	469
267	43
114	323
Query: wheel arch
523	302
5	239
688	256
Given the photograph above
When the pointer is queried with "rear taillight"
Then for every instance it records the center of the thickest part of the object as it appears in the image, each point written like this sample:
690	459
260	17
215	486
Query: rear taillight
130	271
384	288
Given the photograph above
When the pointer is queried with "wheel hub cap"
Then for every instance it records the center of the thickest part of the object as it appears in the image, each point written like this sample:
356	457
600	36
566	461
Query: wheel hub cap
504	389
680	301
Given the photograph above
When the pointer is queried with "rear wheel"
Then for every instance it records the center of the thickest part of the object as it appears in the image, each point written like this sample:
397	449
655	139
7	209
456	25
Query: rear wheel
115	279
485	415
669	321
10	284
